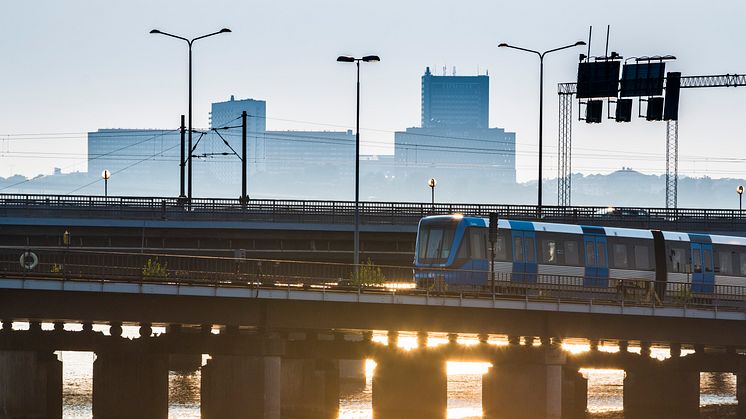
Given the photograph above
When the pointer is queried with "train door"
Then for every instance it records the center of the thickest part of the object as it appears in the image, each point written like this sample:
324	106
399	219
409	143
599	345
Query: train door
703	275
524	256
596	262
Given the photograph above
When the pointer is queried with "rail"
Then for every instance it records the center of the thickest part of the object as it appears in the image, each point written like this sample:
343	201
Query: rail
159	268
342	212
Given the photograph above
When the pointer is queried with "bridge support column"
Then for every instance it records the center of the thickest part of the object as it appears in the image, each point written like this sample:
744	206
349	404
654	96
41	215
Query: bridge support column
741	392
310	389
30	385
574	394
661	391
528	384
409	384
130	385
241	387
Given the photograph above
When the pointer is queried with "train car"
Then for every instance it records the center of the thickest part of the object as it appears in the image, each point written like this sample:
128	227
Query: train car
452	251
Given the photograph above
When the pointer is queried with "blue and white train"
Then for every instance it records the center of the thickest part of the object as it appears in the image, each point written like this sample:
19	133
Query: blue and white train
453	251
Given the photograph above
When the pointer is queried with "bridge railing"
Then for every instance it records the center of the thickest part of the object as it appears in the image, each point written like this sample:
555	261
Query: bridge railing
155	268
342	212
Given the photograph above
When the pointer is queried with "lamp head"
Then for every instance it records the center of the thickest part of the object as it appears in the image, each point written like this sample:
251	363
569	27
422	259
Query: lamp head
345	59
371	59
432	182
225	30
106	174
580	43
739	189
155	31
503	45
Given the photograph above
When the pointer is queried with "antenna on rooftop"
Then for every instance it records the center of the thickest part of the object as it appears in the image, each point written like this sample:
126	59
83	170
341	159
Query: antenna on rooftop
454	70
444	70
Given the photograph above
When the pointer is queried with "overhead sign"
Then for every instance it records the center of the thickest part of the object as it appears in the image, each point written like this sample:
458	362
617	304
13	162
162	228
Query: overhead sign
642	79
598	79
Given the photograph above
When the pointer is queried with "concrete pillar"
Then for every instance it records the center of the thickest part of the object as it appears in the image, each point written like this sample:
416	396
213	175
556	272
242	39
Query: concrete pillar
310	389
239	387
661	392
574	394
741	392
527	386
30	385
130	385
409	384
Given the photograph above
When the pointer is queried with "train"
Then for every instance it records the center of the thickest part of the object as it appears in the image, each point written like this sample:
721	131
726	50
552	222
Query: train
453	252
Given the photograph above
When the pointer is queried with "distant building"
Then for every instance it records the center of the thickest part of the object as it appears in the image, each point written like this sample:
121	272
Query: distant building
228	113
286	152
455	101
136	156
476	153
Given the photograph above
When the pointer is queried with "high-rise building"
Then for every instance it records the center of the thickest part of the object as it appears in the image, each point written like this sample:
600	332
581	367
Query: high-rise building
224	114
455	101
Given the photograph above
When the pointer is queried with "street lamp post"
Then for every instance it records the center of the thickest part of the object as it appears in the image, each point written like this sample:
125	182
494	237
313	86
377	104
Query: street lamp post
106	175
739	189
189	43
348	59
541	100
431	183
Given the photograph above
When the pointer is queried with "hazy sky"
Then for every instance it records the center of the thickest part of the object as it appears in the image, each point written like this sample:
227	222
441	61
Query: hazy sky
74	66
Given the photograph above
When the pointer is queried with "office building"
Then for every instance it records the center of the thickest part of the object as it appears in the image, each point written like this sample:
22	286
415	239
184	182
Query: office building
455	101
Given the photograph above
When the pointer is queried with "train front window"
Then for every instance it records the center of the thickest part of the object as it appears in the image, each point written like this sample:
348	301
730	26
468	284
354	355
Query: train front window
435	241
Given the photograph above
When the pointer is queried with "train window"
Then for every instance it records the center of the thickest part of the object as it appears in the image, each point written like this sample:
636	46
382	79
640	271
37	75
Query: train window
620	256
501	251
696	261
708	260
571	253
518	249
478	241
677	257
445	249
530	251
601	253
590	254
549	252
433	243
725	263
463	249
642	257
742	260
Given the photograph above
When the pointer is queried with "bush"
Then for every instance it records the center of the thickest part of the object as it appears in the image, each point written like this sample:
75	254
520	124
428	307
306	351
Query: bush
154	269
367	274
56	268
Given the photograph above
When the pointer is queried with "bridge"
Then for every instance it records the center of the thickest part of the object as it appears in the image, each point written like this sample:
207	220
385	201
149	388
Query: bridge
283	328
291	229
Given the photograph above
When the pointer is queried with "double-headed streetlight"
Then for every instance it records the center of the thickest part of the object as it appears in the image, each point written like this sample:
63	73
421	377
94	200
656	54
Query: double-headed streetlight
189	43
739	190
541	98
348	59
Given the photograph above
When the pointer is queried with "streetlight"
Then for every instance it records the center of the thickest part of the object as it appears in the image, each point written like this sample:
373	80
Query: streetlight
541	98
431	183
190	42
348	59
739	189
106	174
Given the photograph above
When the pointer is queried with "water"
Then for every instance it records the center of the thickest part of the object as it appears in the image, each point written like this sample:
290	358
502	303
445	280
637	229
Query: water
464	391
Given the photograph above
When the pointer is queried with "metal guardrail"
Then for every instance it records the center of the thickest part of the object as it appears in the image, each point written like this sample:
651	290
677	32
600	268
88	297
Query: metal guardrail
153	268
342	212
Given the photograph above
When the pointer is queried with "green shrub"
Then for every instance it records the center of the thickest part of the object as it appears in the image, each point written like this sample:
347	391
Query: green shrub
56	268
154	269
368	274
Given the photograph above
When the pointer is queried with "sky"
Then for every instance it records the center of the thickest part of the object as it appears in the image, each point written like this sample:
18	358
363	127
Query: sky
75	66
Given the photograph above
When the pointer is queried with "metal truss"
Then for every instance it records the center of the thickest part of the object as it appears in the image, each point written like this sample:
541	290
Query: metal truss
672	163
564	155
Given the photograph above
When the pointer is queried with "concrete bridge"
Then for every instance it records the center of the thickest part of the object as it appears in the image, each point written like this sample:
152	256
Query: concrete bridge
279	349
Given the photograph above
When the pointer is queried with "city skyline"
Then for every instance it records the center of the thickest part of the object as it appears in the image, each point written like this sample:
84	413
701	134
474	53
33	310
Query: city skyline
124	77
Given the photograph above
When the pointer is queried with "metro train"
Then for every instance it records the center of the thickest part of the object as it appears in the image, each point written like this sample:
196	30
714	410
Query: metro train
453	251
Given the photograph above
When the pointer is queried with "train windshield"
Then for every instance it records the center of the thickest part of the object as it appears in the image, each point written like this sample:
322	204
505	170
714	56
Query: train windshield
435	240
